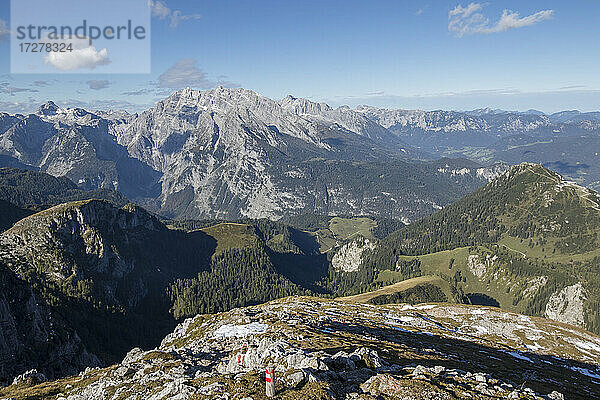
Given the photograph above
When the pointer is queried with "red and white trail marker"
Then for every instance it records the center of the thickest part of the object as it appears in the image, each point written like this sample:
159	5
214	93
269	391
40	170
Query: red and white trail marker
270	382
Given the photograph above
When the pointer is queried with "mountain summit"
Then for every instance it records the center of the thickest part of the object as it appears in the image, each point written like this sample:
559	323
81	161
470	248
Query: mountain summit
527	241
333	350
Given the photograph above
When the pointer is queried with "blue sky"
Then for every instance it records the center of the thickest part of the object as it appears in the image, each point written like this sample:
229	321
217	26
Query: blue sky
402	54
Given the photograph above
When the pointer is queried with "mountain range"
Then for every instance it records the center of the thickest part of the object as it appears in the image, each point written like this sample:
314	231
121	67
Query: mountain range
117	227
565	141
231	153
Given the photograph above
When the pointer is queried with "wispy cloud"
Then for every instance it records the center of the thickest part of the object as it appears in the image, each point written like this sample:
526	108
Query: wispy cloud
139	92
41	83
98	85
572	87
470	20
160	10
7	88
421	10
186	73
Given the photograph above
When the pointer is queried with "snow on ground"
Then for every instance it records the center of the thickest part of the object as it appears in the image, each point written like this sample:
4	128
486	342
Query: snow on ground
587	345
586	372
230	330
519	356
481	329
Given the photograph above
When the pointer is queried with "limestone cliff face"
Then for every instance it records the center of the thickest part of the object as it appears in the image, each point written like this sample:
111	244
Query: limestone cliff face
80	241
567	305
92	249
349	257
33	336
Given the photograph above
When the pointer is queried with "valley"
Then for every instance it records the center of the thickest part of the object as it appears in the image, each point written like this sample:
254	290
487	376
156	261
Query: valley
114	249
299	200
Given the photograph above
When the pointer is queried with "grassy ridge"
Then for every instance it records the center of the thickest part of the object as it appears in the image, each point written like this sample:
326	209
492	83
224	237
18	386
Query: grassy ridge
401	287
530	232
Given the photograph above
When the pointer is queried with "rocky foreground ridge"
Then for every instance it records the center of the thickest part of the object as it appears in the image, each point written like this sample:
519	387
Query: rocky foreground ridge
322	349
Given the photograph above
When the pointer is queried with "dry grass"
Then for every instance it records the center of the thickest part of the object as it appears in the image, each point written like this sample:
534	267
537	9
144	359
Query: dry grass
399	287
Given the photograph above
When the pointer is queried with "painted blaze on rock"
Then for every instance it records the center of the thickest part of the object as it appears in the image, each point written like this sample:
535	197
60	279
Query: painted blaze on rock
270	382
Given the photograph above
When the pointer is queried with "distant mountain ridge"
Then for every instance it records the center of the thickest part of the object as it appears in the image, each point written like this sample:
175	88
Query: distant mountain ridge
567	142
231	153
561	117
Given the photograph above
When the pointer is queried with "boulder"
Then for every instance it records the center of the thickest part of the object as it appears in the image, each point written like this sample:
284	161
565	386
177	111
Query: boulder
31	377
295	378
555	396
134	355
369	357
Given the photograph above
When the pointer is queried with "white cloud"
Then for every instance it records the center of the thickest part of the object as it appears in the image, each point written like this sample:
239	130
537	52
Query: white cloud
4	31
510	20
469	20
161	11
88	58
83	56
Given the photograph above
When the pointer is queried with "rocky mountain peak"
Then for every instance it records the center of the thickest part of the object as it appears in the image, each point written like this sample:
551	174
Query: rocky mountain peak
220	99
528	172
48	108
524	167
303	106
79	217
